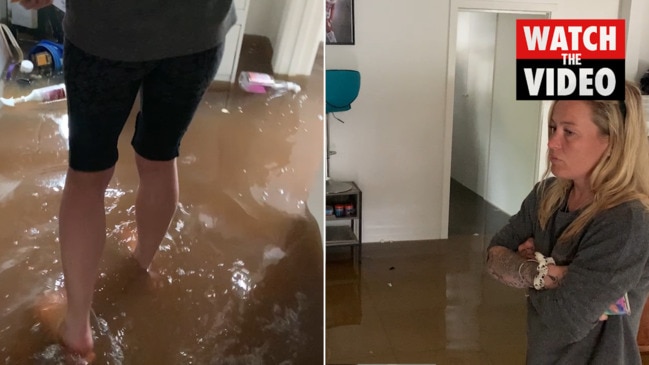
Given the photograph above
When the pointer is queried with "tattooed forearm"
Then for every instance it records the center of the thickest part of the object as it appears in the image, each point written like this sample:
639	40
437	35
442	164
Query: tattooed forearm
503	265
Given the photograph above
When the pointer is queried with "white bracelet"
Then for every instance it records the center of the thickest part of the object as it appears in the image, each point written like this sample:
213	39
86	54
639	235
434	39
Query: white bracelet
539	282
542	270
542	260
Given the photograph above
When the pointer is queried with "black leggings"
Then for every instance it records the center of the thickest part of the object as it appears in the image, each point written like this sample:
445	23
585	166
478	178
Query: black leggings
101	93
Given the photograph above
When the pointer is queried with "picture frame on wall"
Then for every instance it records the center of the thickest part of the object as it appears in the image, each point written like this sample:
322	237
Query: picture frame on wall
339	22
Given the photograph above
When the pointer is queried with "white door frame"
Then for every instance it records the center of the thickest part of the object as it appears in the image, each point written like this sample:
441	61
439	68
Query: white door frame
299	36
477	5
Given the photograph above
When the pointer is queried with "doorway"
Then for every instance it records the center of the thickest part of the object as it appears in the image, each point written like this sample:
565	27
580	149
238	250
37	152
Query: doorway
496	138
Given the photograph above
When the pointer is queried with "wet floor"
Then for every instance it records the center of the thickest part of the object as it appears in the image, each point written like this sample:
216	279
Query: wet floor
426	302
241	266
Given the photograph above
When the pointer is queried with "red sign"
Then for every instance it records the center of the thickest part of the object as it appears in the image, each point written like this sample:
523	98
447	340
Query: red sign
570	59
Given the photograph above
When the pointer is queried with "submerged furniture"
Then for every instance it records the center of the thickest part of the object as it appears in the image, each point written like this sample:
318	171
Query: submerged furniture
344	225
342	87
343	228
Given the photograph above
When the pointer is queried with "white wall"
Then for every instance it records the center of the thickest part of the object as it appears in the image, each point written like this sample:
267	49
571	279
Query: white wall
300	35
635	12
495	137
476	45
265	18
643	46
394	142
294	28
390	143
3	11
515	127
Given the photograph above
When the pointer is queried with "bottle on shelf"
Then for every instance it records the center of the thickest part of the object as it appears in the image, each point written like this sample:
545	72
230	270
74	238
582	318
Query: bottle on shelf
261	83
350	211
339	210
44	95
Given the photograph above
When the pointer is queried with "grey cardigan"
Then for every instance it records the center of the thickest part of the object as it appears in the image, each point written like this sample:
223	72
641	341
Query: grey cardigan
608	259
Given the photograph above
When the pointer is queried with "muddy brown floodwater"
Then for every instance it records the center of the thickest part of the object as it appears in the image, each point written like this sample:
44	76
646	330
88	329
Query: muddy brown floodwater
241	265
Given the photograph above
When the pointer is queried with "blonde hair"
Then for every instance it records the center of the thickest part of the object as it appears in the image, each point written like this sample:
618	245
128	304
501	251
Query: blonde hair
621	175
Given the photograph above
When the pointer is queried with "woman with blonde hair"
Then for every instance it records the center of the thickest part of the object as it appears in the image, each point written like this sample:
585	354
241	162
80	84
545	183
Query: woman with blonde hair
586	234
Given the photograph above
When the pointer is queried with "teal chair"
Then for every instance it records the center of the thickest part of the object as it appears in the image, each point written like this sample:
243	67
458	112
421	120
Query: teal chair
342	88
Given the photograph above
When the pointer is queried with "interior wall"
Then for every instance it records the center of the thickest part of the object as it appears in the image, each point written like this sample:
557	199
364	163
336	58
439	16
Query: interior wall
3	11
395	143
300	35
391	142
495	137
515	126
635	13
265	18
476	46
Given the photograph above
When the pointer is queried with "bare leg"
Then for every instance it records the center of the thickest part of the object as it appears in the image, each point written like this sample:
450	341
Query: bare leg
155	205
82	234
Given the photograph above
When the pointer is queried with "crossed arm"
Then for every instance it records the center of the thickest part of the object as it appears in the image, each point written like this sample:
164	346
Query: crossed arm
518	269
610	262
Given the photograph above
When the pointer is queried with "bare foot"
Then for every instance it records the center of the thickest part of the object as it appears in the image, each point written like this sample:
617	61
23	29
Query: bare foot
77	345
135	273
156	280
134	268
50	310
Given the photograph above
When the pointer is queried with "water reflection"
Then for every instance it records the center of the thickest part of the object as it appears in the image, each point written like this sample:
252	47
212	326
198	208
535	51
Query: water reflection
238	279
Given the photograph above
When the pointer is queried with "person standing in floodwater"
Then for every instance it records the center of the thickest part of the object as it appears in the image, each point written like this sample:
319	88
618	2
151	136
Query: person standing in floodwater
114	50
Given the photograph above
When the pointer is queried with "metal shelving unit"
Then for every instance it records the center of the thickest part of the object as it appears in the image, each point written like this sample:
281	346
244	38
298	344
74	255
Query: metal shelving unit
345	230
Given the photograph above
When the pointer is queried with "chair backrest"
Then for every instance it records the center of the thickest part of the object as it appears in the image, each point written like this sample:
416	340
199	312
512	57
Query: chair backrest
342	87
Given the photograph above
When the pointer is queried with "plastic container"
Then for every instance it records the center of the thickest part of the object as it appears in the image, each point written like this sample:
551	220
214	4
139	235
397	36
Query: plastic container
350	211
339	210
261	83
44	95
26	66
55	50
